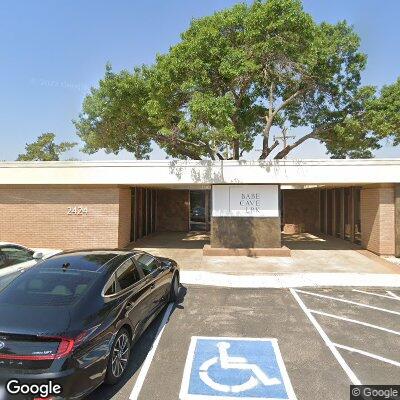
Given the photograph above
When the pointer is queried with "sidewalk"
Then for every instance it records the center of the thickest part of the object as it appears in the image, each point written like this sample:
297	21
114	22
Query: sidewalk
310	254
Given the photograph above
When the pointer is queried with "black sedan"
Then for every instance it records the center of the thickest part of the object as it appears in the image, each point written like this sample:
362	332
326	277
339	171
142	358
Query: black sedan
72	319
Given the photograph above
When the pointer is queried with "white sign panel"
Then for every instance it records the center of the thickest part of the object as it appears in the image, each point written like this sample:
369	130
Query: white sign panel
245	201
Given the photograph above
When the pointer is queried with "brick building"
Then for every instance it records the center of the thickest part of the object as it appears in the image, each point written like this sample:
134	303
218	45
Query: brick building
244	204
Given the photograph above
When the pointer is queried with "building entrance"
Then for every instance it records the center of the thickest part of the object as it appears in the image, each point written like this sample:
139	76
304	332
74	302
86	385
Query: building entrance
199	217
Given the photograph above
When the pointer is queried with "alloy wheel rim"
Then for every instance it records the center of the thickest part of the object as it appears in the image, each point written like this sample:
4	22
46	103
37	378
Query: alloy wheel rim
120	355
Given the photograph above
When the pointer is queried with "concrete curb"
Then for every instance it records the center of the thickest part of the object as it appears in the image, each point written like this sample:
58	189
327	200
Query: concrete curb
290	280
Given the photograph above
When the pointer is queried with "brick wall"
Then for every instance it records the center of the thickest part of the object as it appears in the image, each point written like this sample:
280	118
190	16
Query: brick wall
172	210
37	217
301	207
377	220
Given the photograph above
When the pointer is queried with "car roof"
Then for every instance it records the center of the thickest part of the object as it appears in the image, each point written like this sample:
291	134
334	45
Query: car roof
14	244
9	243
86	260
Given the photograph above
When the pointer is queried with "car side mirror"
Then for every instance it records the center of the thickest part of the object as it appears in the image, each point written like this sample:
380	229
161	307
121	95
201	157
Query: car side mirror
38	255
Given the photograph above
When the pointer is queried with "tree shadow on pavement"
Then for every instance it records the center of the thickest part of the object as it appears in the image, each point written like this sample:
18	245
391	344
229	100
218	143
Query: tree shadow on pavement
138	355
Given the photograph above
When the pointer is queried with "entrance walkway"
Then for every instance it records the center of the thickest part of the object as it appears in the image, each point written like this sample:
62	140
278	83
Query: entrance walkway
310	254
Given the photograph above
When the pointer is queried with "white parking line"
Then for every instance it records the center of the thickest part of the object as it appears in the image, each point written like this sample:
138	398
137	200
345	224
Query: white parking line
354	321
349	302
147	362
353	378
377	294
293	280
366	353
393	295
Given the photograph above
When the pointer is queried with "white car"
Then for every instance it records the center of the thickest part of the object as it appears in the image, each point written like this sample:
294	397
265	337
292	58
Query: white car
15	257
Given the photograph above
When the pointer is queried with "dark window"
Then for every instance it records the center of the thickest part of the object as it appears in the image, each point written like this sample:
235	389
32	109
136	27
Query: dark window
45	287
146	262
110	290
11	255
127	275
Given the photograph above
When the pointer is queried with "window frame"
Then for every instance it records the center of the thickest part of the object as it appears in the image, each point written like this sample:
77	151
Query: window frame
112	280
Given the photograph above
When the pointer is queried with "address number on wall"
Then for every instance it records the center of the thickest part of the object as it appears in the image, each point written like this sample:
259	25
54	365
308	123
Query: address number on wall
76	210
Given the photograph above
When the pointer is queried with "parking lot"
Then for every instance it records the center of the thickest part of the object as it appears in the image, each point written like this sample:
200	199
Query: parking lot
328	338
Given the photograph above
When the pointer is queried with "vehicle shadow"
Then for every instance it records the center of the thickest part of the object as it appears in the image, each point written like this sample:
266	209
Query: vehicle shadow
140	349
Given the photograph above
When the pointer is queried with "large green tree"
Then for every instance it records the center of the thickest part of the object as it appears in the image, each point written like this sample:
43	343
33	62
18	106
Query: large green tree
237	75
45	149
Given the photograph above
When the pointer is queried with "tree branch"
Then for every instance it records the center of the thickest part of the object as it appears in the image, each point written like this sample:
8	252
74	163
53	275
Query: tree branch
266	150
287	101
284	152
185	150
272	148
271	115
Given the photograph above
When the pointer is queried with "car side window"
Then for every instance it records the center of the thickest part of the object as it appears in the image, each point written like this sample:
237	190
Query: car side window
11	255
126	275
146	262
109	290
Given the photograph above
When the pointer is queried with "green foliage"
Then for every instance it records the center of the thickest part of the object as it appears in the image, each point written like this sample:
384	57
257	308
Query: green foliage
383	113
234	76
44	149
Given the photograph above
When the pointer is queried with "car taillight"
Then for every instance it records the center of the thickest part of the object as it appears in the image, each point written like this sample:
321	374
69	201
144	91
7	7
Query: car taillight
64	349
84	335
43	398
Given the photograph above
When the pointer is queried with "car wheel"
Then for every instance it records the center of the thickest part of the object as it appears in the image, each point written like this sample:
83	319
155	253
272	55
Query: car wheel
174	293
119	357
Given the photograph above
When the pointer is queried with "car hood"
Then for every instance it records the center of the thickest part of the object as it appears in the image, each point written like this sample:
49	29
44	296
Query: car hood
29	320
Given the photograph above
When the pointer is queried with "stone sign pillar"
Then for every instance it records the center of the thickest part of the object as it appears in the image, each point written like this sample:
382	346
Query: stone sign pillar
245	216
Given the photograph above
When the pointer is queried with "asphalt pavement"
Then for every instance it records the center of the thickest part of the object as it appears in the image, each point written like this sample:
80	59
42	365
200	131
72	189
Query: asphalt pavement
327	338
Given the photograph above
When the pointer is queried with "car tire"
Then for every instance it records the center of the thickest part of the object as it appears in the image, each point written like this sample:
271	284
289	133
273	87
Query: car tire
119	357
174	291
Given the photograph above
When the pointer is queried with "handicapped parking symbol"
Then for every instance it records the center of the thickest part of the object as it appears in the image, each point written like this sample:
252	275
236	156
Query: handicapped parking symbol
239	363
235	368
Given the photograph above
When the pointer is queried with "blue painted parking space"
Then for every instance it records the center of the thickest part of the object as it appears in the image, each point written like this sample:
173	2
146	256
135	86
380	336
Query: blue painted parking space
235	368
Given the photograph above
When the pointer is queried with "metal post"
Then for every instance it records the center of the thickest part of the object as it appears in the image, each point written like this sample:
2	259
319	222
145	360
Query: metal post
352	216
326	211
342	221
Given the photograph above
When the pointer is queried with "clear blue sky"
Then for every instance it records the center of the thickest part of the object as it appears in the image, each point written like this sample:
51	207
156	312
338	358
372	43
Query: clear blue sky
53	51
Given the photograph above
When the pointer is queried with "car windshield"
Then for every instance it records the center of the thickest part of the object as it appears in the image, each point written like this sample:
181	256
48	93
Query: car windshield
11	255
45	287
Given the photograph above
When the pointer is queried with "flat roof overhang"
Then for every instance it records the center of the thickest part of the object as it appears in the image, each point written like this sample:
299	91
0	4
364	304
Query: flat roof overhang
198	173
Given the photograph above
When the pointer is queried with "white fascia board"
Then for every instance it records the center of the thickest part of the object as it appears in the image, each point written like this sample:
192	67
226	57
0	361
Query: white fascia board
167	172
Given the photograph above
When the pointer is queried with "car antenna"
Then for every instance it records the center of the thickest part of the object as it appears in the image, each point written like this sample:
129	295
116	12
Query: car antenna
66	266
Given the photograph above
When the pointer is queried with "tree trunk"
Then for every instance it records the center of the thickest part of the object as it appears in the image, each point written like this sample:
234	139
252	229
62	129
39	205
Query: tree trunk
236	150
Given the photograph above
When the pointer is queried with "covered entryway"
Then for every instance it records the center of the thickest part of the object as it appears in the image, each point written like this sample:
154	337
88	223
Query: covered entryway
361	215
309	254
